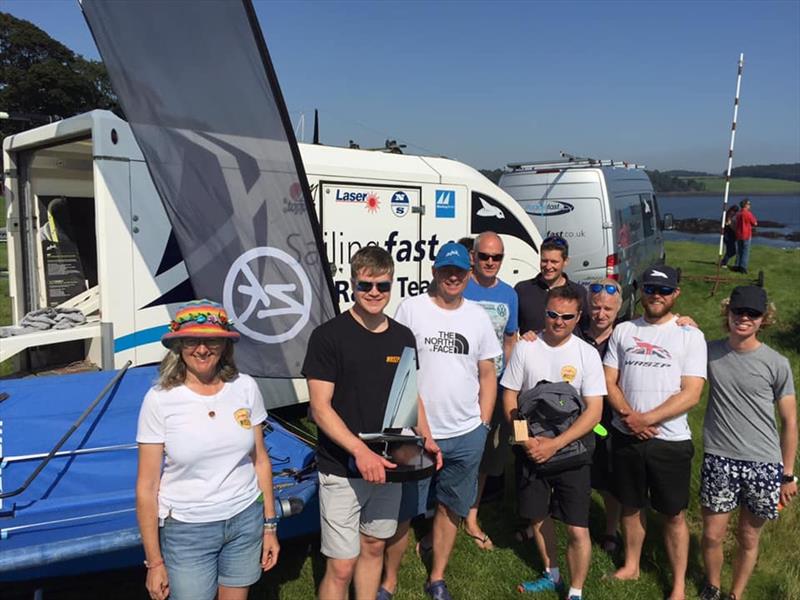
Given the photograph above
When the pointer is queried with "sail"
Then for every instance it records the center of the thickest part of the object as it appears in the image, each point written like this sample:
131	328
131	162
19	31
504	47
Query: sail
197	86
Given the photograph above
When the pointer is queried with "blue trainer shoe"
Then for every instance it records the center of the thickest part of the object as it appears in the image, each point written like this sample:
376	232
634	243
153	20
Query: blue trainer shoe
543	584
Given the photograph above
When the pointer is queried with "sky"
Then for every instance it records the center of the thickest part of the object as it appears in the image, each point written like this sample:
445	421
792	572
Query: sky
490	83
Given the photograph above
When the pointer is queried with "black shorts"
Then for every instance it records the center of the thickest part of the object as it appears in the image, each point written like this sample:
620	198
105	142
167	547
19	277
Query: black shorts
601	464
565	495
654	470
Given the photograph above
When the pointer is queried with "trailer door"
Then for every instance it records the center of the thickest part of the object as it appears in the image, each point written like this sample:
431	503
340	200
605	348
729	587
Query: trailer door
355	214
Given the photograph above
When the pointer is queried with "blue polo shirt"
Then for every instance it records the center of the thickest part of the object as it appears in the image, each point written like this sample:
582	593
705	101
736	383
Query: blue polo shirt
501	304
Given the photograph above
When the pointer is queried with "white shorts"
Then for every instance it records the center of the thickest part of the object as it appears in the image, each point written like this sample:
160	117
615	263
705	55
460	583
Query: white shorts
349	507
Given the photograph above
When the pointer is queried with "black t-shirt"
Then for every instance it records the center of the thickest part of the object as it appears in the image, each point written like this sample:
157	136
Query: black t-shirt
532	294
361	365
601	348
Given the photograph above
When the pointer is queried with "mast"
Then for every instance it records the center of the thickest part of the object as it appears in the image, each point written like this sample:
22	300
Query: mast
730	160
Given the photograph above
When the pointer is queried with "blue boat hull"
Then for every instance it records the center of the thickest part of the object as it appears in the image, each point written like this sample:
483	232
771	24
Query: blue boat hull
78	515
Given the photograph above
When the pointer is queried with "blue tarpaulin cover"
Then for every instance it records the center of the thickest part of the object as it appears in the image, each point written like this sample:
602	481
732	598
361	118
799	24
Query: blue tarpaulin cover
83	504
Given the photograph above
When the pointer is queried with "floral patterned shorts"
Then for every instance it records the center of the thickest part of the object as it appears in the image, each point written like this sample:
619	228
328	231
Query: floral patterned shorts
726	483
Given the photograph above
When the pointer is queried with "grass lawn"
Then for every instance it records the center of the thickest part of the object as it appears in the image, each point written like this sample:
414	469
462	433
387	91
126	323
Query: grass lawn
750	185
477	575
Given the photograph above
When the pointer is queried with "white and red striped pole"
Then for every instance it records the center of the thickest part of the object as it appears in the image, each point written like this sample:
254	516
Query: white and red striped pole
730	157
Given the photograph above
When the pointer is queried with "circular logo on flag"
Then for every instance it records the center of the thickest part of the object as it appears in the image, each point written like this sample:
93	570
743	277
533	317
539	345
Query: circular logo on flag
400	203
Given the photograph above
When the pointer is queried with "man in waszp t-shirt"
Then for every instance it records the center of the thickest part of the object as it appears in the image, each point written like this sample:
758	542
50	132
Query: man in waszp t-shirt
457	383
655	371
747	462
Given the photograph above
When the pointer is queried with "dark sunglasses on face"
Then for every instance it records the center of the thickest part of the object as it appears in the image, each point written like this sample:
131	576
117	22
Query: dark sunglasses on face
366	286
494	257
555	239
554	315
661	290
747	312
596	288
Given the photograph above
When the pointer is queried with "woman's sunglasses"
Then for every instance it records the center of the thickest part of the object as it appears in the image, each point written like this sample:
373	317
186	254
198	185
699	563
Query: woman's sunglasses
366	286
747	312
661	290
596	288
554	315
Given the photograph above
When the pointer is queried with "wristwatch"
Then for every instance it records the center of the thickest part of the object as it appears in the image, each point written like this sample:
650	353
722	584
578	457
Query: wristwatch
788	478
487	425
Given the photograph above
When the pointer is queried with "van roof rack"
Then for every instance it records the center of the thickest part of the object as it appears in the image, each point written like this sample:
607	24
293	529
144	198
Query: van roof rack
569	161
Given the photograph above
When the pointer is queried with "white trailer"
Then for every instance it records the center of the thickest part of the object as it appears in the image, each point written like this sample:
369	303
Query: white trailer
86	228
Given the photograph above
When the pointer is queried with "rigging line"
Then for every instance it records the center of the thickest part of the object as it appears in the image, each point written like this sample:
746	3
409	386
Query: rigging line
6	530
80	451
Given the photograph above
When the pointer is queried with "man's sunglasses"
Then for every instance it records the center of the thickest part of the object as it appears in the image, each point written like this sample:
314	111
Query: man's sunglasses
596	288
554	315
487	256
661	290
366	286
555	239
747	312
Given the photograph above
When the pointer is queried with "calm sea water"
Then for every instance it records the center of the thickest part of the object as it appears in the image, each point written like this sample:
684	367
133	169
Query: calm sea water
782	209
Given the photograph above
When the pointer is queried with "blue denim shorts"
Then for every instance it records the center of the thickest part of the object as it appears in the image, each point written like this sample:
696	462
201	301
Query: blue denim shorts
202	556
455	485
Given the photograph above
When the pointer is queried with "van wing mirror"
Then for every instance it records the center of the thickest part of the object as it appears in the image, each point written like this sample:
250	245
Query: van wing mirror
669	221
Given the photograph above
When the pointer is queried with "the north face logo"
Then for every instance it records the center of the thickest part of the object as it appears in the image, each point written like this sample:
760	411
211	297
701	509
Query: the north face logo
448	342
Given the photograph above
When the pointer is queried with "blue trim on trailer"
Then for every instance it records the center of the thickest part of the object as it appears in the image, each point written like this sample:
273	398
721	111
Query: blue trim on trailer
139	338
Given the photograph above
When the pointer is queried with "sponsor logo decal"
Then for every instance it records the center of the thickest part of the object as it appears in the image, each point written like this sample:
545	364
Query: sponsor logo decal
655	273
489	210
373	202
267	312
647	349
400	204
445	204
242	417
392	359
447	342
568	373
549	208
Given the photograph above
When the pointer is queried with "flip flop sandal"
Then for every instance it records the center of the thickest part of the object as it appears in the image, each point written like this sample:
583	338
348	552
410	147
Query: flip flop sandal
437	590
483	542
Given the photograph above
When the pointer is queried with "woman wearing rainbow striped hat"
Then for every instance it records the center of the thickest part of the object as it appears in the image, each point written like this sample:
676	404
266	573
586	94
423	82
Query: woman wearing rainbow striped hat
205	530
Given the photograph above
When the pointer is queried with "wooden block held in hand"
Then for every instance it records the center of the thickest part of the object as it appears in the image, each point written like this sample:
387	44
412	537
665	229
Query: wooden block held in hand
520	431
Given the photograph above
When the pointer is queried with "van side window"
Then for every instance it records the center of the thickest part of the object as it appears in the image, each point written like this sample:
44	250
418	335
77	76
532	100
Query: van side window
648	215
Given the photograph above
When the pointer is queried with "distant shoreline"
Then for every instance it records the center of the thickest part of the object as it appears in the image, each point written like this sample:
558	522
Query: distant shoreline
721	194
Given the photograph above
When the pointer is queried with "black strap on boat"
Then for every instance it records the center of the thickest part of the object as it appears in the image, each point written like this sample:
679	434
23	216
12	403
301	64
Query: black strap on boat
67	435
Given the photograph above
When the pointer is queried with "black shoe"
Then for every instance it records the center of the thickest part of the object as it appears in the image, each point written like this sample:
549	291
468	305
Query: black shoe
710	592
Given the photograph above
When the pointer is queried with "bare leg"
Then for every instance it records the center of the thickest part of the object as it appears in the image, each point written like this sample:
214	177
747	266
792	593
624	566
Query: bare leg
471	524
747	553
544	535
395	548
633	531
613	512
367	576
232	593
579	555
715	525
336	581
445	528
676	539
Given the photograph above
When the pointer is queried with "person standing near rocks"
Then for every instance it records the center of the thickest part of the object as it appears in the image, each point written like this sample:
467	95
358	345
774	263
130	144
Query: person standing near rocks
745	221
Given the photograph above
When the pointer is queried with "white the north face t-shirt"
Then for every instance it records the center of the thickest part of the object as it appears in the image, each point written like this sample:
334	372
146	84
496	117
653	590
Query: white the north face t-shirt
575	362
651	360
208	472
449	345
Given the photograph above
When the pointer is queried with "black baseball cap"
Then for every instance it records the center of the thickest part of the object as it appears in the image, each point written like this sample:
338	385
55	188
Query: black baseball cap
749	296
660	275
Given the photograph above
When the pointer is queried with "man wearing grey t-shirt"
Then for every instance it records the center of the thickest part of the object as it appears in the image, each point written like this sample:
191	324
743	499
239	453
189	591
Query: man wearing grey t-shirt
747	462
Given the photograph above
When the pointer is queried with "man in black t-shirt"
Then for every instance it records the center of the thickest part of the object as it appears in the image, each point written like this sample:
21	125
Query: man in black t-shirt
349	366
532	293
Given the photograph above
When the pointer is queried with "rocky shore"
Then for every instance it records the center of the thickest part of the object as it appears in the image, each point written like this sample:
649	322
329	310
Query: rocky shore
712	226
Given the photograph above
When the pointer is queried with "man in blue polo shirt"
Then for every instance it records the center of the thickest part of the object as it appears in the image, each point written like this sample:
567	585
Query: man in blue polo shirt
499	300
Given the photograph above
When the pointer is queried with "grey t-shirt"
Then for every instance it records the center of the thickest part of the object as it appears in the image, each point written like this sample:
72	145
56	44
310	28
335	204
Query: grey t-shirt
744	387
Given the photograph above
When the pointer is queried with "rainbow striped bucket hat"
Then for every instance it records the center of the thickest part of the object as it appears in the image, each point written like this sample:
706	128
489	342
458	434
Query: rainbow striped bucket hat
200	319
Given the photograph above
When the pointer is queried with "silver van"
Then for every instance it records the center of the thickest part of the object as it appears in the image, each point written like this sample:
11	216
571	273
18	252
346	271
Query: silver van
606	210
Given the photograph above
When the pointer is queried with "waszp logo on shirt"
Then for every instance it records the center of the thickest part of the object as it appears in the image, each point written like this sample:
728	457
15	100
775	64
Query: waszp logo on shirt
447	342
